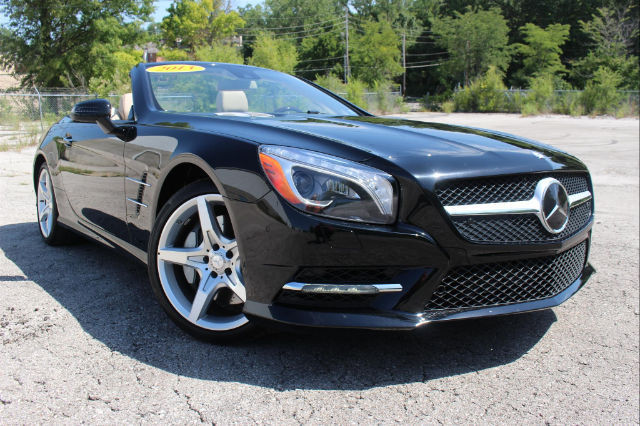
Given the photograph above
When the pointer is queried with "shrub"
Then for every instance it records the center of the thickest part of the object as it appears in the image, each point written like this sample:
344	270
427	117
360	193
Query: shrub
601	95
540	97
448	107
355	93
566	103
219	52
173	55
485	94
382	90
332	83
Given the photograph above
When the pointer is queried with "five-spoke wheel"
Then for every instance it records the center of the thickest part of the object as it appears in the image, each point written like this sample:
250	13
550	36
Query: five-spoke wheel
47	210
195	264
45	202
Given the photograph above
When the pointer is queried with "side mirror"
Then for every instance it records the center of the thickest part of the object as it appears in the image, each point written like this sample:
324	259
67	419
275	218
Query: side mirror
99	111
91	111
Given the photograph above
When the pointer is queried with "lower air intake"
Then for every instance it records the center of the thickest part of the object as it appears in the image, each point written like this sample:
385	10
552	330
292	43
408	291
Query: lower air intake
493	284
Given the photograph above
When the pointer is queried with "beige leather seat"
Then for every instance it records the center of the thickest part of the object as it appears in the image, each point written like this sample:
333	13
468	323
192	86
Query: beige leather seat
232	101
126	102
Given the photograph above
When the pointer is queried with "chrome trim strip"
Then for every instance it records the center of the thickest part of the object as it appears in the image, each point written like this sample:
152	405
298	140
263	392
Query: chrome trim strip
343	288
531	206
579	198
293	286
139	182
137	202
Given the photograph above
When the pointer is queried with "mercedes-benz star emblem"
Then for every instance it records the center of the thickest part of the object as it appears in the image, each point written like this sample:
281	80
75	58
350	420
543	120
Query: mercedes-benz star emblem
554	205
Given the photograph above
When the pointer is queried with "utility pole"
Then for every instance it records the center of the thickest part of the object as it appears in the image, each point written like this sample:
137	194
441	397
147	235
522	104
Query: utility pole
347	70
404	65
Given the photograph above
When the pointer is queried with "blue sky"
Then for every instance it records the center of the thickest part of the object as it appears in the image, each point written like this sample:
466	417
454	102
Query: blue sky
161	8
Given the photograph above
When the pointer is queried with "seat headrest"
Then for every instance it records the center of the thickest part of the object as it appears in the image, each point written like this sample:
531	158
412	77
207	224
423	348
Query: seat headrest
126	102
232	101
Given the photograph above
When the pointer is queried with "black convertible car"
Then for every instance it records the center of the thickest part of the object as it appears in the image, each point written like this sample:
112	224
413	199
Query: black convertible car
253	195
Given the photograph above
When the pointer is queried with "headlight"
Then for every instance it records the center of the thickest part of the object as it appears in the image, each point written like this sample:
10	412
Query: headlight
329	186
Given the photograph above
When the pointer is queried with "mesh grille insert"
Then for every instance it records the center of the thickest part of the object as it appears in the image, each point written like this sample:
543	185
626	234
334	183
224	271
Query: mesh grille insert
512	229
504	189
519	228
492	284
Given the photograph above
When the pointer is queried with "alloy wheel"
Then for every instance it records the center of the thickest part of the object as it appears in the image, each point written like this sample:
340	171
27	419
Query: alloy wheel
45	203
199	265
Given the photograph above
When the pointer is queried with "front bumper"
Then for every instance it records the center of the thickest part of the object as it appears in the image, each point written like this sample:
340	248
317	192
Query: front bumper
278	242
398	320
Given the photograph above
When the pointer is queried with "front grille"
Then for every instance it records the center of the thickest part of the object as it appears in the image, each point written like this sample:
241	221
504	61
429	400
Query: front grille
345	275
493	284
518	228
512	229
501	189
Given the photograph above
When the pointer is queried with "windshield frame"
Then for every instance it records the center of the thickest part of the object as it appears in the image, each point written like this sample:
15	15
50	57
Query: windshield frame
154	106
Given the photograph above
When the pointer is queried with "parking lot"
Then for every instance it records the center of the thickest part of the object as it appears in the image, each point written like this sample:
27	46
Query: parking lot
83	340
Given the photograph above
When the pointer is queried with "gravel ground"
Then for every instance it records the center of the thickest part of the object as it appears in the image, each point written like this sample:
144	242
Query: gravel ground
84	341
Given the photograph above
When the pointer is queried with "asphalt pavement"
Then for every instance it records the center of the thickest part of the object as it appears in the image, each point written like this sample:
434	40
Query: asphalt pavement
83	340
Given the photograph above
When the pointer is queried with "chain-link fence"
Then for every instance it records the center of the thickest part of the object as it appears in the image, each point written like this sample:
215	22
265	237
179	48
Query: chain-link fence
573	102
26	115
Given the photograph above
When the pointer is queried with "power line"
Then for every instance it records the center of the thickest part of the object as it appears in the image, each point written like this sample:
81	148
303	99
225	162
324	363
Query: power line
291	18
425	54
311	70
296	26
322	59
297	38
258	30
423	66
423	62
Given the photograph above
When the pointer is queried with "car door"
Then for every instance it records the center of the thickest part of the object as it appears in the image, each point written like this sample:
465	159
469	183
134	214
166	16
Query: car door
92	170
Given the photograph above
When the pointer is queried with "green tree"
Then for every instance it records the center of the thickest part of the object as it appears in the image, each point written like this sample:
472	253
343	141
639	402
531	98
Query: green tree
376	54
58	43
112	76
612	32
195	23
285	17
475	41
315	27
541	49
269	52
219	52
321	54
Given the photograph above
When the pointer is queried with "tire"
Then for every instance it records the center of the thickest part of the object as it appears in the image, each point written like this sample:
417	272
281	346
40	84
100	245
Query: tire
51	230
196	277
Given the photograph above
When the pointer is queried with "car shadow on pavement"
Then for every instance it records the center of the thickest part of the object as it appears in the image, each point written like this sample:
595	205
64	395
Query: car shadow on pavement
109	295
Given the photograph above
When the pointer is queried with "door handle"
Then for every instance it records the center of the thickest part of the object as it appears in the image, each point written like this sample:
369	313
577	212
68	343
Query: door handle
68	140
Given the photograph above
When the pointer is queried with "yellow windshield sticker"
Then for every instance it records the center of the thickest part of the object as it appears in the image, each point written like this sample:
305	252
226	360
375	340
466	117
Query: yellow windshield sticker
175	68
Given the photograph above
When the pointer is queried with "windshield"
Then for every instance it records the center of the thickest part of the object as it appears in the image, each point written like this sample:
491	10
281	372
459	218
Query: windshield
236	90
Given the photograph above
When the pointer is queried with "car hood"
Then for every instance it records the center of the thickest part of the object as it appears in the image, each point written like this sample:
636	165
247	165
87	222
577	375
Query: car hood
429	152
433	150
